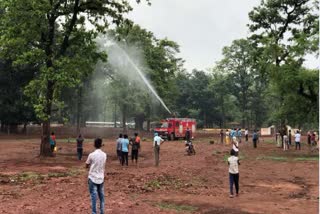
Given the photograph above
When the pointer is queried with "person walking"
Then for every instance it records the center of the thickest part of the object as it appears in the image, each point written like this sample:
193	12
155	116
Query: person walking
297	139
221	136
227	137
96	163
157	141
124	150
119	148
135	147
80	140
254	138
246	133
233	162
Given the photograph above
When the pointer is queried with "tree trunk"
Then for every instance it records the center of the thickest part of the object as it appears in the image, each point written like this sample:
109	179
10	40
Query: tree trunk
79	109
115	115
148	125
124	118
45	149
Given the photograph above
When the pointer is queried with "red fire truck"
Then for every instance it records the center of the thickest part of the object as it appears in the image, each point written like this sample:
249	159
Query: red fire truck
174	128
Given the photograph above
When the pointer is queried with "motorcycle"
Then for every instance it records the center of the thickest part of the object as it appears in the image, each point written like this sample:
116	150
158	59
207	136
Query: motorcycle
190	148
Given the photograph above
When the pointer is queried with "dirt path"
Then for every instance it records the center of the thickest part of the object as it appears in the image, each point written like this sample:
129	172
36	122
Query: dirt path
271	181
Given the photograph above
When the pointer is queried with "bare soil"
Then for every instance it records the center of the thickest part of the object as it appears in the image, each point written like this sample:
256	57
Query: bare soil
271	180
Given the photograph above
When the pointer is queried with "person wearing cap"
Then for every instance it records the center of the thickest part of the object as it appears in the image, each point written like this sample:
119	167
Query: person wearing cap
157	141
235	146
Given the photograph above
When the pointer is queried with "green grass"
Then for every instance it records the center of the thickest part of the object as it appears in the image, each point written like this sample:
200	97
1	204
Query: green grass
164	181
273	158
307	159
177	207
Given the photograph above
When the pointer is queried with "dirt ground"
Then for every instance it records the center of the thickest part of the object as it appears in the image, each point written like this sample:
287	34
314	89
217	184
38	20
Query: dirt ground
271	180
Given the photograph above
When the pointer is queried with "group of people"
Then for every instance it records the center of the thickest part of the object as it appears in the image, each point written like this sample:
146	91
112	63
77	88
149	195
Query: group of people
122	148
236	134
284	140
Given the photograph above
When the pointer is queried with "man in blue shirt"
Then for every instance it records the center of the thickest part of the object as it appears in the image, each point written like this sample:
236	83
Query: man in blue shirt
125	149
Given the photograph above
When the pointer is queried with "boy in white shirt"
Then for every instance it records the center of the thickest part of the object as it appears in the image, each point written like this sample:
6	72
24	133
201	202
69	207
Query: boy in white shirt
233	163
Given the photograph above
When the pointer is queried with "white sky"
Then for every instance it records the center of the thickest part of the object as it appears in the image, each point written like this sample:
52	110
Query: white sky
201	28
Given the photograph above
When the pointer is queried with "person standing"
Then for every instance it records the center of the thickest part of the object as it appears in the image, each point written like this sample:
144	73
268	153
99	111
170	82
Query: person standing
227	137
289	137
52	141
309	138
235	146
255	138
233	162
119	148
97	162
157	141
221	136
125	150
285	142
135	147
313	139
297	139
239	134
80	140
246	133
188	134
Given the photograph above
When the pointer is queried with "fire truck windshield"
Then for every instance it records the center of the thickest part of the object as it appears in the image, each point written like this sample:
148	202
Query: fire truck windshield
164	125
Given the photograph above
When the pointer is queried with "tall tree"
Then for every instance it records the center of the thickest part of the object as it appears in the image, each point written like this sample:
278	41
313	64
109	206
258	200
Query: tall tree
53	35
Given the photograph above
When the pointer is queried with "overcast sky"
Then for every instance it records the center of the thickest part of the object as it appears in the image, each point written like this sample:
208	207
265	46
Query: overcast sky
201	28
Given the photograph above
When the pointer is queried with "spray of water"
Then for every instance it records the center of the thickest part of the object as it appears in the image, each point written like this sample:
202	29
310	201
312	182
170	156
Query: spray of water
143	77
116	58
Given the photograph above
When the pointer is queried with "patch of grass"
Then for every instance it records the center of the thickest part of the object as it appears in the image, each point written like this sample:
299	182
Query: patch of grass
164	181
26	176
269	141
177	207
307	159
273	158
72	172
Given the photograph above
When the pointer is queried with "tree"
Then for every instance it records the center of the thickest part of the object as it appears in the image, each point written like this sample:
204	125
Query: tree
53	35
237	62
286	31
15	106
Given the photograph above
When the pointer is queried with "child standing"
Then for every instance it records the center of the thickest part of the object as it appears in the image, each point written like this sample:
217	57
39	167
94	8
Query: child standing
233	163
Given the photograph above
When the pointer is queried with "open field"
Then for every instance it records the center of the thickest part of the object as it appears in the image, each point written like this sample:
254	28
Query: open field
271	180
